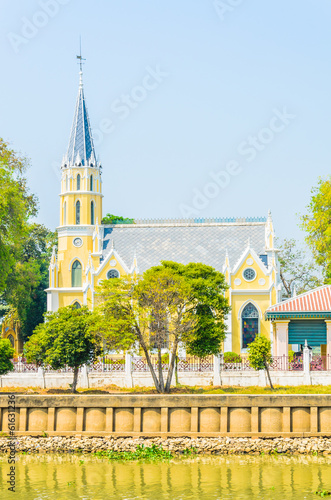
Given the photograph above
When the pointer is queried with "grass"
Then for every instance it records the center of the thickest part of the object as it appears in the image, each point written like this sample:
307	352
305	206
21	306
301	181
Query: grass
180	389
150	454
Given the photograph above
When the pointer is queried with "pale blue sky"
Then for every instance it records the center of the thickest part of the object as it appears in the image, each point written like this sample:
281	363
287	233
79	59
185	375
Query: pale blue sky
222	78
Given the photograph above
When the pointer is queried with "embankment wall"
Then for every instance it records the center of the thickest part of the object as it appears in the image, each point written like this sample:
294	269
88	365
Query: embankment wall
169	415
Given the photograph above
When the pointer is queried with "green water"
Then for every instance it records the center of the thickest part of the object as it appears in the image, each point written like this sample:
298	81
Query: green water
204	477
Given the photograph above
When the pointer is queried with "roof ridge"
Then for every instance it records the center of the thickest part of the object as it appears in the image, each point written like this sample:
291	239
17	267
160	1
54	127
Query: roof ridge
197	220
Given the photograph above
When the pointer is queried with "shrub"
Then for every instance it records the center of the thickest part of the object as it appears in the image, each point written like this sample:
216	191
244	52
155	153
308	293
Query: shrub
290	356
232	357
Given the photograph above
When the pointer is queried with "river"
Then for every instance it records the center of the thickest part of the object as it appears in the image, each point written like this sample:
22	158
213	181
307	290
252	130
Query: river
202	477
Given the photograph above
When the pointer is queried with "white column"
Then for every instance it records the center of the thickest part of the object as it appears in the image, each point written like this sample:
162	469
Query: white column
84	382
217	370
328	338
262	378
128	370
281	337
41	377
306	365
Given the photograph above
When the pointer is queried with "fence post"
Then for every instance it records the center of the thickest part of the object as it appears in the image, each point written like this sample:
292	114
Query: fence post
306	365
217	370
128	370
41	377
84	382
262	376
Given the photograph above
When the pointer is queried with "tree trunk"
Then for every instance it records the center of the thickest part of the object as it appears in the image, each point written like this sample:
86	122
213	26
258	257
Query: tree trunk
176	370
285	285
159	358
172	364
148	359
268	373
74	384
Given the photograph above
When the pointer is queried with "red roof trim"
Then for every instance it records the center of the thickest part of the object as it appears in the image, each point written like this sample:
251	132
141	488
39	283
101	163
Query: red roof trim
318	299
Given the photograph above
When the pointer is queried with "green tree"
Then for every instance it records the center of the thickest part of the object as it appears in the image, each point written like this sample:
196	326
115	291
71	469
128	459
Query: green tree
317	224
64	339
26	284
297	272
169	303
259	355
17	205
6	354
116	219
209	306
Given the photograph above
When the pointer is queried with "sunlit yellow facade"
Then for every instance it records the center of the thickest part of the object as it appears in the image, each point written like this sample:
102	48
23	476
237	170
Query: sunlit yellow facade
88	252
10	329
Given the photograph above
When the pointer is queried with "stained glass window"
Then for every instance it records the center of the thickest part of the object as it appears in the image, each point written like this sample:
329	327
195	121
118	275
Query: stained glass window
249	274
76	274
250	324
76	305
113	274
77	212
78	182
91	183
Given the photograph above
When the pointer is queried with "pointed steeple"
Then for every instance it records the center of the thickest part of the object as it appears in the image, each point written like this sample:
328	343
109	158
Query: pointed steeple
81	147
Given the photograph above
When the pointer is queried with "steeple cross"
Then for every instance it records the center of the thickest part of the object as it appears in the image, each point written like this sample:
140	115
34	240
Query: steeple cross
81	59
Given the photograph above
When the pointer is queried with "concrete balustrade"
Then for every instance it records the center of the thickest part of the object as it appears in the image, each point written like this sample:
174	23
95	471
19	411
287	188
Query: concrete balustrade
171	415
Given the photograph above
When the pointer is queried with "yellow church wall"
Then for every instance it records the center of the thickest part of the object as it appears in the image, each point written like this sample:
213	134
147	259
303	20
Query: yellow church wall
11	331
69	181
118	267
85	208
68	253
261	302
250	285
68	298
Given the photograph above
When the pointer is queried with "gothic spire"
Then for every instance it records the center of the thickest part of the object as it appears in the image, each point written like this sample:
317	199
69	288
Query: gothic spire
81	147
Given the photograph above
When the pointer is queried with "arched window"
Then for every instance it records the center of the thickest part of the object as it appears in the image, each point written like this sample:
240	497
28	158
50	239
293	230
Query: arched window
250	324
78	182
76	274
11	340
113	274
77	212
91	182
92	212
76	305
64	213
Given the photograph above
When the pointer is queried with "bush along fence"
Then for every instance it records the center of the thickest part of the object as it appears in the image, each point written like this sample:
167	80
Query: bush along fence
129	371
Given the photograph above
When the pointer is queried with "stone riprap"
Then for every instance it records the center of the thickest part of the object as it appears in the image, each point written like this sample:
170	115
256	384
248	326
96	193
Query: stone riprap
219	446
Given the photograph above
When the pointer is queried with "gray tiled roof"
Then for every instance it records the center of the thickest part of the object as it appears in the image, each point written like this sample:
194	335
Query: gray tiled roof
81	141
205	243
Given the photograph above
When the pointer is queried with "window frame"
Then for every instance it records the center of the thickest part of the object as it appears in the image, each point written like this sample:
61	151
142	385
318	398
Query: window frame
112	277
77	214
244	349
72	274
92	212
249	269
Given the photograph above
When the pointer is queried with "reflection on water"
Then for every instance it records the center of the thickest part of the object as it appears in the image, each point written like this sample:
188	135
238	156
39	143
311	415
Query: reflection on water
224	477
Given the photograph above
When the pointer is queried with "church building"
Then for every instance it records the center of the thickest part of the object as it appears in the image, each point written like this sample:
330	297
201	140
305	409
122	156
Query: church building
89	251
